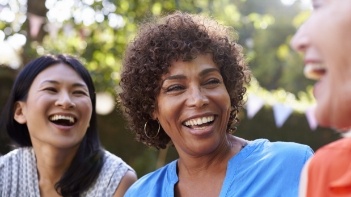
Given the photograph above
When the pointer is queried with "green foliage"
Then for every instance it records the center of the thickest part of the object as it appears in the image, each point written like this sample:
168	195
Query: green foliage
264	29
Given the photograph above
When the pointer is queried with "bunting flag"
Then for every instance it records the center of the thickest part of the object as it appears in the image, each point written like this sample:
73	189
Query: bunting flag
254	104
35	23
311	118
281	113
283	103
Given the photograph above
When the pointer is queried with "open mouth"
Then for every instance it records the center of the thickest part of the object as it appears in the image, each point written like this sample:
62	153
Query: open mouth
63	120
314	71
199	122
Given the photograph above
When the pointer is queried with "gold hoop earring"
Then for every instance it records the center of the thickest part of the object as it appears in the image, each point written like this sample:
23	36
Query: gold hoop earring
158	130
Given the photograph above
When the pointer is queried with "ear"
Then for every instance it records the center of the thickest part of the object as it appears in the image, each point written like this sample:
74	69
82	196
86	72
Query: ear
154	114
19	116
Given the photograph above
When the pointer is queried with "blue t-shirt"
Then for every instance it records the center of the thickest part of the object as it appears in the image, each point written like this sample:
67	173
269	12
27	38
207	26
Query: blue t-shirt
261	169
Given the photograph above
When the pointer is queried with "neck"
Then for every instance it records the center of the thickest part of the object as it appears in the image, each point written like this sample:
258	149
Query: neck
214	162
52	163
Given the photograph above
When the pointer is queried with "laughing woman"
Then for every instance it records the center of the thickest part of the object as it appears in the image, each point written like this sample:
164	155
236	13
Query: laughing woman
51	116
183	85
325	42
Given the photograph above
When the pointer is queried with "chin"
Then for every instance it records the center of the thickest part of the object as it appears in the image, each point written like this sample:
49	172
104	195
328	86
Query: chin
339	124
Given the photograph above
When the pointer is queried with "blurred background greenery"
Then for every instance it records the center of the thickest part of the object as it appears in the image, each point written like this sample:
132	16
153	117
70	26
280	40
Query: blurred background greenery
97	31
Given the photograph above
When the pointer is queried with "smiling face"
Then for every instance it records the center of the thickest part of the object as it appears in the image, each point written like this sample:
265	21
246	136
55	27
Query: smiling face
193	106
325	40
58	108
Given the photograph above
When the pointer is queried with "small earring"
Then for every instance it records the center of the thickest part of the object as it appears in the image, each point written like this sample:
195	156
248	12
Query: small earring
158	130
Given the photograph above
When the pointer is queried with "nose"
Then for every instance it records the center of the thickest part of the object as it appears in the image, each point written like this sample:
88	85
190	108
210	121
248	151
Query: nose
197	98
300	40
65	101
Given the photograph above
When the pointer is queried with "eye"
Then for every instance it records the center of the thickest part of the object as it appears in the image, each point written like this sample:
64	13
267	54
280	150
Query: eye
80	92
174	88
213	81
50	89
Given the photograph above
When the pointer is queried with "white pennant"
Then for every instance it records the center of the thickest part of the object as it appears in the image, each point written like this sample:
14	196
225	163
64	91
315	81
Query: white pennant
254	104
311	117
281	113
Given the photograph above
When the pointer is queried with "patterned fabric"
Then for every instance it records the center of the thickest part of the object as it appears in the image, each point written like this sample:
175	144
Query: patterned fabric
19	176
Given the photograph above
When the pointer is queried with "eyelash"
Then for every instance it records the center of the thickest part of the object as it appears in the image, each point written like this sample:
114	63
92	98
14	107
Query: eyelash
172	88
213	81
80	92
51	89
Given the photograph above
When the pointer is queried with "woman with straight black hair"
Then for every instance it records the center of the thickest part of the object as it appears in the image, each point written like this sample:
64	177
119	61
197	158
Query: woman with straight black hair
50	115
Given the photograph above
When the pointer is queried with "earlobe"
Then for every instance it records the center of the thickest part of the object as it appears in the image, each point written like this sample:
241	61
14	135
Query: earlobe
154	115
18	115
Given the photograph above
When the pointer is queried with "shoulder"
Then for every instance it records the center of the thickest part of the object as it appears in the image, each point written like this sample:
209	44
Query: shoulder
279	147
111	160
338	146
339	150
324	174
128	179
11	165
156	181
287	153
14	156
113	171
114	167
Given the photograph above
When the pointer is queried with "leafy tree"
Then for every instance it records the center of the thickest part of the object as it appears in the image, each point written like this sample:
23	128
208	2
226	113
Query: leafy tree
98	31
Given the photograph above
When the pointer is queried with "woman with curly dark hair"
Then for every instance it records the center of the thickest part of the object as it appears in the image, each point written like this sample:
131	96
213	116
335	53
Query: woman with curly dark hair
183	84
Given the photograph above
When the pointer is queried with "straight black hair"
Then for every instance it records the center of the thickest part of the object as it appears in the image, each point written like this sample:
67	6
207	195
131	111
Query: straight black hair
87	163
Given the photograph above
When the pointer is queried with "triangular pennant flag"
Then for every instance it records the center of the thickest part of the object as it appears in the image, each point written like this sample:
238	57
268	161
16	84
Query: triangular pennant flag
311	117
281	113
254	104
35	23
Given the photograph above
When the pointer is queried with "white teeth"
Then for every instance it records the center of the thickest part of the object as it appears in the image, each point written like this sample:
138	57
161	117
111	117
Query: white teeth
199	121
61	117
314	71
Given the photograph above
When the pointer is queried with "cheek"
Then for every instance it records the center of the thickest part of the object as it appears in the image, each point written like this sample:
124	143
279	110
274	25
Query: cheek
86	108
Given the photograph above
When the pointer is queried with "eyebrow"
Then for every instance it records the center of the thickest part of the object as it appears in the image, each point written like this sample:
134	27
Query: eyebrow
56	82
202	73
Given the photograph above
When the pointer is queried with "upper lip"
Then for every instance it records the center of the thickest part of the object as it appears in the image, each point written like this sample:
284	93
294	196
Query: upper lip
312	61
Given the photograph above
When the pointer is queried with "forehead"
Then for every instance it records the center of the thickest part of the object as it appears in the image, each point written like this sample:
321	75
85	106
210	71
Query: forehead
58	72
202	61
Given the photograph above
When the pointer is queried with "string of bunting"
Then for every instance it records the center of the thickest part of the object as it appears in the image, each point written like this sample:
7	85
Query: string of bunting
282	103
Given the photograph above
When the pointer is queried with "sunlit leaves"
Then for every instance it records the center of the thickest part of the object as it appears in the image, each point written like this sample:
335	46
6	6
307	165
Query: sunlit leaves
301	17
261	21
156	9
99	30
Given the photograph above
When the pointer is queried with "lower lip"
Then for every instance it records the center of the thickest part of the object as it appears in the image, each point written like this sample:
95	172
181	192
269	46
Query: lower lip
201	132
63	128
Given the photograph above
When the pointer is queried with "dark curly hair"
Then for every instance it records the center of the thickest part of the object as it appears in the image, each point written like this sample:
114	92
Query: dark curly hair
178	36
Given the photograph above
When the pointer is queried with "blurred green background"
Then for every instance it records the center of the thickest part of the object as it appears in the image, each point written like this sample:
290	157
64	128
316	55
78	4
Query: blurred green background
97	31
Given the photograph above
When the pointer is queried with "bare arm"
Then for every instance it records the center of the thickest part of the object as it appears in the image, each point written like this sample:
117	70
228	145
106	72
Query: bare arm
304	180
128	179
